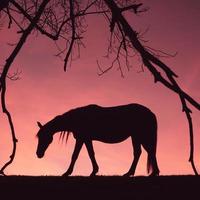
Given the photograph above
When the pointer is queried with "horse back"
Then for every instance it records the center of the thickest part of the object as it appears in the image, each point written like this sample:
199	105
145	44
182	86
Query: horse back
112	124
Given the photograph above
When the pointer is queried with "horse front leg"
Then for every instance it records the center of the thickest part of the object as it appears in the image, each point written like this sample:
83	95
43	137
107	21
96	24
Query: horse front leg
136	155
91	153
75	154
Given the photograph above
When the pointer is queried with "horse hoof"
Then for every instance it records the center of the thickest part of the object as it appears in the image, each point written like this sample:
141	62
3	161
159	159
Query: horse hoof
154	174
66	174
127	175
93	174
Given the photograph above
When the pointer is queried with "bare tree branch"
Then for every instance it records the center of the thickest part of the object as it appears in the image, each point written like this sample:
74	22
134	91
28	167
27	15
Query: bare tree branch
73	37
14	76
149	60
4	74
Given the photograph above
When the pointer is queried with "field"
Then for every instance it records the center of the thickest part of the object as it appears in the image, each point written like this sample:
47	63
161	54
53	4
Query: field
100	187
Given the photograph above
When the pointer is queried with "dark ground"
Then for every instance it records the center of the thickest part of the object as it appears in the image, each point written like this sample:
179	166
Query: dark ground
100	187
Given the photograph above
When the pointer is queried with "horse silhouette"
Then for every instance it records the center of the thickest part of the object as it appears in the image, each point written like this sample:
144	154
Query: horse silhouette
108	125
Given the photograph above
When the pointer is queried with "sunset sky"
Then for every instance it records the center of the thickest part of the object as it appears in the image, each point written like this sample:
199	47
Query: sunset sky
45	90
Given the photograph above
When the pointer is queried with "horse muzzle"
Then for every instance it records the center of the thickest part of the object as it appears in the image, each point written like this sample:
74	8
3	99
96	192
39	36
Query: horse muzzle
39	155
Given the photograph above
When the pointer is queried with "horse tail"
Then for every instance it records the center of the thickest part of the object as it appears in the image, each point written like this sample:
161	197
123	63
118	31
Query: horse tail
149	164
152	144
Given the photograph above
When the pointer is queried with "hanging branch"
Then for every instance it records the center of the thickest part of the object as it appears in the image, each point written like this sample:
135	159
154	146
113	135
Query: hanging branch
4	74
65	21
73	30
30	19
150	61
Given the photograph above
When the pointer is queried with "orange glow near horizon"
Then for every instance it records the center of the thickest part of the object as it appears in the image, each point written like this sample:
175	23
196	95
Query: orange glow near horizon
45	91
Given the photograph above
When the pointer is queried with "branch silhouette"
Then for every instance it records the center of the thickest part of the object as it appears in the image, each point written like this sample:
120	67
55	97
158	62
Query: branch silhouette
150	62
4	74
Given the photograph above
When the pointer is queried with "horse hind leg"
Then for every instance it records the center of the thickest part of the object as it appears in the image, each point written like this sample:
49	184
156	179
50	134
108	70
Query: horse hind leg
155	169
152	164
136	153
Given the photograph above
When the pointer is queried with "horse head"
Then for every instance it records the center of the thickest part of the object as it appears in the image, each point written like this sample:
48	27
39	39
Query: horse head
44	140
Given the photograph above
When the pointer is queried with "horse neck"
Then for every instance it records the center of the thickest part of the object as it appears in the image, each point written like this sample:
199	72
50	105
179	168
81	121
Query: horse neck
56	126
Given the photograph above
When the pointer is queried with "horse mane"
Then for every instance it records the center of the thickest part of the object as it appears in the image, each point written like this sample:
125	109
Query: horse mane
64	135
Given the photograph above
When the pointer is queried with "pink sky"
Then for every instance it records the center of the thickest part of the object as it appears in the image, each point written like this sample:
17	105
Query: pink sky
45	91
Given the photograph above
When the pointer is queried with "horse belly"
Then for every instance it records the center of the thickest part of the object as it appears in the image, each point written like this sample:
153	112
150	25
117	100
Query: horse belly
110	140
108	127
110	134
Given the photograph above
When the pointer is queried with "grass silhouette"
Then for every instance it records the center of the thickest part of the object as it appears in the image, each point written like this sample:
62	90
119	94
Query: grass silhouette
100	187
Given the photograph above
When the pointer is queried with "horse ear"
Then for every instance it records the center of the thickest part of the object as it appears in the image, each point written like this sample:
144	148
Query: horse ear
39	124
